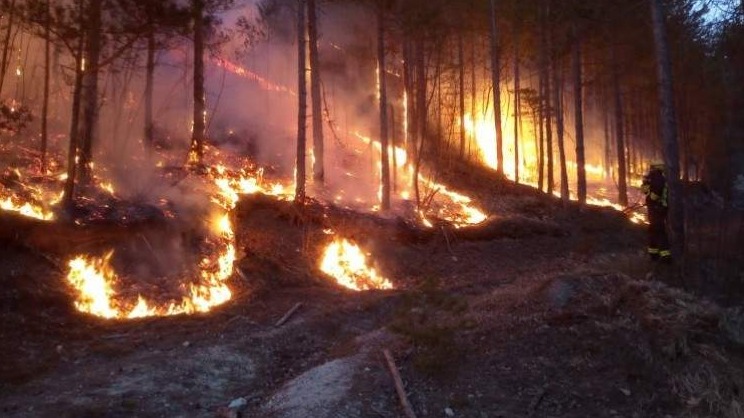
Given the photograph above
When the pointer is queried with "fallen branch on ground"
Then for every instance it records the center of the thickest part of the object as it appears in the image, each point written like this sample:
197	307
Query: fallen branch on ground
287	315
398	385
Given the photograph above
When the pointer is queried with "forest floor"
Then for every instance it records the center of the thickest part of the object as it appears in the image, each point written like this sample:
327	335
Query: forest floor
566	321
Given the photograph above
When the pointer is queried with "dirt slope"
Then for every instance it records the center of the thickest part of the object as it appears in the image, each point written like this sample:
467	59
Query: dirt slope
576	324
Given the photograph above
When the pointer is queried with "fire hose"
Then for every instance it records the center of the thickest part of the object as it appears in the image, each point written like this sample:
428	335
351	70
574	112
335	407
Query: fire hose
633	207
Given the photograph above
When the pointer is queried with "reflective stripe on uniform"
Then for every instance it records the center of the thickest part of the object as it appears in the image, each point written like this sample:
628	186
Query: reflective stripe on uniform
653	250
665	253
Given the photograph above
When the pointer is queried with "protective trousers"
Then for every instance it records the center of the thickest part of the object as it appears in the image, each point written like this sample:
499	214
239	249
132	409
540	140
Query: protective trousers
658	243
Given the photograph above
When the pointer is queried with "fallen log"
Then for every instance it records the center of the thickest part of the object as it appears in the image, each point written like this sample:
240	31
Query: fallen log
62	238
403	230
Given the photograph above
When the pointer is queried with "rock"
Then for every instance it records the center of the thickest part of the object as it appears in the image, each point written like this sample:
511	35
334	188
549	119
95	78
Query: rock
732	324
559	292
186	344
449	412
625	392
238	403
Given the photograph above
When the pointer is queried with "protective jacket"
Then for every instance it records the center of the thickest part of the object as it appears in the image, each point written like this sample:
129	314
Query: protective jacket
657	201
655	188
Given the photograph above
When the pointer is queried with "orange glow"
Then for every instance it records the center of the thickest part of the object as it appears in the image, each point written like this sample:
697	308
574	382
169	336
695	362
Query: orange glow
345	262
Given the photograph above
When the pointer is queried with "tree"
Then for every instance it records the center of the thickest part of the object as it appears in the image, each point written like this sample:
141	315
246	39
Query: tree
47	74
7	43
302	105
579	118
668	126
496	82
90	87
198	134
385	161
315	86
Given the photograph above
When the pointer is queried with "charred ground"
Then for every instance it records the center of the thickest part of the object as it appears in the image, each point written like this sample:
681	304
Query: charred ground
543	311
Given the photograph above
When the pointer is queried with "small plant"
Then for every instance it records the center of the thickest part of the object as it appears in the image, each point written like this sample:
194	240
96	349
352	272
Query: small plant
429	318
13	118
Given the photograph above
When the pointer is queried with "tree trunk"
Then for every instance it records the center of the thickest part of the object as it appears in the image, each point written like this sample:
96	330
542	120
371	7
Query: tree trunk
196	154
461	76
90	90
560	127
546	94
6	45
668	127
517	104
622	175
149	83
473	97
606	155
496	81
393	146
579	116
422	113
72	152
302	108
45	100
410	111
385	161
541	136
318	148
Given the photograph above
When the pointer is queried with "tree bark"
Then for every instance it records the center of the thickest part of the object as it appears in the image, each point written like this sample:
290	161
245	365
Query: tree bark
318	146
47	73
421	113
149	83
6	45
461	91
72	152
541	136
668	127
546	94
196	154
579	116
622	175
560	128
496	81
302	106
517	103
90	90
385	161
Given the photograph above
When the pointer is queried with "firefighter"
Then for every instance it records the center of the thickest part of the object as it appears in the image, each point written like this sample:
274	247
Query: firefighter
657	202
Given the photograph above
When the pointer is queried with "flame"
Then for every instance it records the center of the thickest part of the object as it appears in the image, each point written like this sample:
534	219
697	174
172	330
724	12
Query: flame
94	280
27	209
484	134
345	262
454	207
245	73
231	184
107	186
29	205
458	208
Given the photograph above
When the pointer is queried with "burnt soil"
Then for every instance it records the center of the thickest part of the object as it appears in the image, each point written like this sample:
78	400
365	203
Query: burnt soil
565	320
